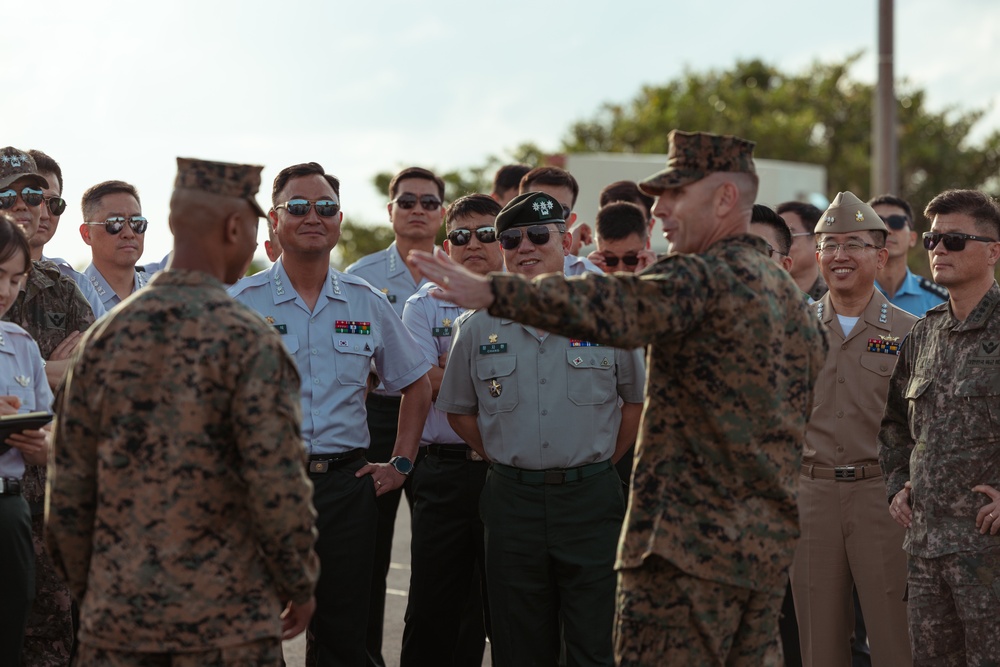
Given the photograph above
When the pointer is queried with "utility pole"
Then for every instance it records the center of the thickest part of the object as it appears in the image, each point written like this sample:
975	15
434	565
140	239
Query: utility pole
884	170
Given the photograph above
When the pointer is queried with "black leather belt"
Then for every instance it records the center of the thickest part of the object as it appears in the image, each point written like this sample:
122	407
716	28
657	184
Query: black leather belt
463	452
10	486
320	463
558	476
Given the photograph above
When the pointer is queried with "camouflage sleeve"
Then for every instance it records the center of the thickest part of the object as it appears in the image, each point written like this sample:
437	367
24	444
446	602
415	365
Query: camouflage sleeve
895	441
267	428
623	311
72	478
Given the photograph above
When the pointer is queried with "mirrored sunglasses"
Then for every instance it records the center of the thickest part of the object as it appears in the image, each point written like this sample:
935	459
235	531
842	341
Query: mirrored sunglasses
29	196
408	201
953	241
627	260
537	234
460	237
325	208
57	205
117	223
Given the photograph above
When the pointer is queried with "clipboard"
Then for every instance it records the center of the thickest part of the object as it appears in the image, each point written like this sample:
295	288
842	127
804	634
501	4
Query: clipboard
27	421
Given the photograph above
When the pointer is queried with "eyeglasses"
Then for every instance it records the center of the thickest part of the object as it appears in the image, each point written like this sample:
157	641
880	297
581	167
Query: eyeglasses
408	201
57	205
325	208
463	236
29	196
953	241
510	239
117	223
896	222
627	260
771	250
851	248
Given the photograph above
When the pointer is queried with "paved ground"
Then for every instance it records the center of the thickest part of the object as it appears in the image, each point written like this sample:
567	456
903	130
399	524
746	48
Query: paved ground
395	602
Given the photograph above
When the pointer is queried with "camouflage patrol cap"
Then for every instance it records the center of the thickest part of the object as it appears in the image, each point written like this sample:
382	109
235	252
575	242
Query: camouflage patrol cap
694	155
847	213
530	208
16	164
220	178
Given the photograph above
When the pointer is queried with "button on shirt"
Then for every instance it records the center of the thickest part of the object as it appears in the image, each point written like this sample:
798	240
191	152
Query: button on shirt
108	296
387	272
542	402
917	294
430	321
334	345
23	375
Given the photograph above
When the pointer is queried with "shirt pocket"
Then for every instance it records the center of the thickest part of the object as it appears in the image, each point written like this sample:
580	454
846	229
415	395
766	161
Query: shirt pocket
590	380
353	358
291	343
980	391
496	388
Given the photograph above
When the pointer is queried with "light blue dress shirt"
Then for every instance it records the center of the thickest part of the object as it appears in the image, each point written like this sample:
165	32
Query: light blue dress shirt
107	295
22	374
82	281
917	294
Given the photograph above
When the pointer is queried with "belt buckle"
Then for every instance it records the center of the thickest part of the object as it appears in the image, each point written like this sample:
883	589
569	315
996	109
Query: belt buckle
553	477
474	455
845	473
319	466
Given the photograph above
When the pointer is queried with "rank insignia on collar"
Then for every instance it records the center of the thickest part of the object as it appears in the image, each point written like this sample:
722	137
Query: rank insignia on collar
495	388
269	319
494	338
859	217
446	322
22	380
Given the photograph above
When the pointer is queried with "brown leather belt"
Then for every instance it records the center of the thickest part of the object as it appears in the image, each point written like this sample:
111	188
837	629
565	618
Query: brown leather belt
851	473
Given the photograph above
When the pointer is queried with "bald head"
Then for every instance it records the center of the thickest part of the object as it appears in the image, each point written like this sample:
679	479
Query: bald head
213	233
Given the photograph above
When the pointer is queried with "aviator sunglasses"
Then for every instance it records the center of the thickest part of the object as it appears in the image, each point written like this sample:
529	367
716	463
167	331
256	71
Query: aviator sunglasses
953	241
117	223
408	201
510	239
30	196
463	236
57	205
627	260
325	208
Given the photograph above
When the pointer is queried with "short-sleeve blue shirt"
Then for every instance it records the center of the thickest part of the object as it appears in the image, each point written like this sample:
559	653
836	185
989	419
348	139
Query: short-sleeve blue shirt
917	294
351	327
22	374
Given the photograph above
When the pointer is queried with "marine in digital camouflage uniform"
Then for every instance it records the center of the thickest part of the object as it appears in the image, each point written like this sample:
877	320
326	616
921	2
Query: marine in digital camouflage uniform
179	508
939	446
732	356
50	308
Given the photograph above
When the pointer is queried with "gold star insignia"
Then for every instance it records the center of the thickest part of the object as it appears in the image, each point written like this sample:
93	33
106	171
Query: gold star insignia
494	338
446	322
859	217
269	319
385	290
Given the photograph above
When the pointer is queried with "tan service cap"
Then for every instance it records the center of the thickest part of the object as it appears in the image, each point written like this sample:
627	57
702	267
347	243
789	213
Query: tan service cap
220	178
694	155
847	213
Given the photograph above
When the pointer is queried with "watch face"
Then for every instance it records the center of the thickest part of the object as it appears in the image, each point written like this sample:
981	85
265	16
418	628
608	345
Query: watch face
402	465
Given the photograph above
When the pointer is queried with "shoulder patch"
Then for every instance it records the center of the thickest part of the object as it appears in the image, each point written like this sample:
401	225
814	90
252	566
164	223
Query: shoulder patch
932	287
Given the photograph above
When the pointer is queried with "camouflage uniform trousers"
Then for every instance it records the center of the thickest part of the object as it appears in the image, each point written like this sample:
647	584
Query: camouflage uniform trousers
667	617
260	653
48	638
954	601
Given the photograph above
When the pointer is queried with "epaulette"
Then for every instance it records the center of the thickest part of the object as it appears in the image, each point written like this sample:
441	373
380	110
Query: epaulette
256	280
376	256
933	287
358	281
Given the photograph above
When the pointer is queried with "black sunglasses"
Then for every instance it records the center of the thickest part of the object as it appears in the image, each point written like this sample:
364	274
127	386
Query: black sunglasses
408	201
57	205
116	224
627	260
463	236
953	241
896	222
30	196
510	239
325	208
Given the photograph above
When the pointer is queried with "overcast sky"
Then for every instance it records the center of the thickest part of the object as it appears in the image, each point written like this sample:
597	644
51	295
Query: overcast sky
119	89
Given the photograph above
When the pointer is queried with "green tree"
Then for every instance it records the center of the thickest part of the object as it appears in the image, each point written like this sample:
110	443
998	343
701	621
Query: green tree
819	115
358	240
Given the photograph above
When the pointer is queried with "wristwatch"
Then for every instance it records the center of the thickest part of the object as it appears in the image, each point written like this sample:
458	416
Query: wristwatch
403	465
